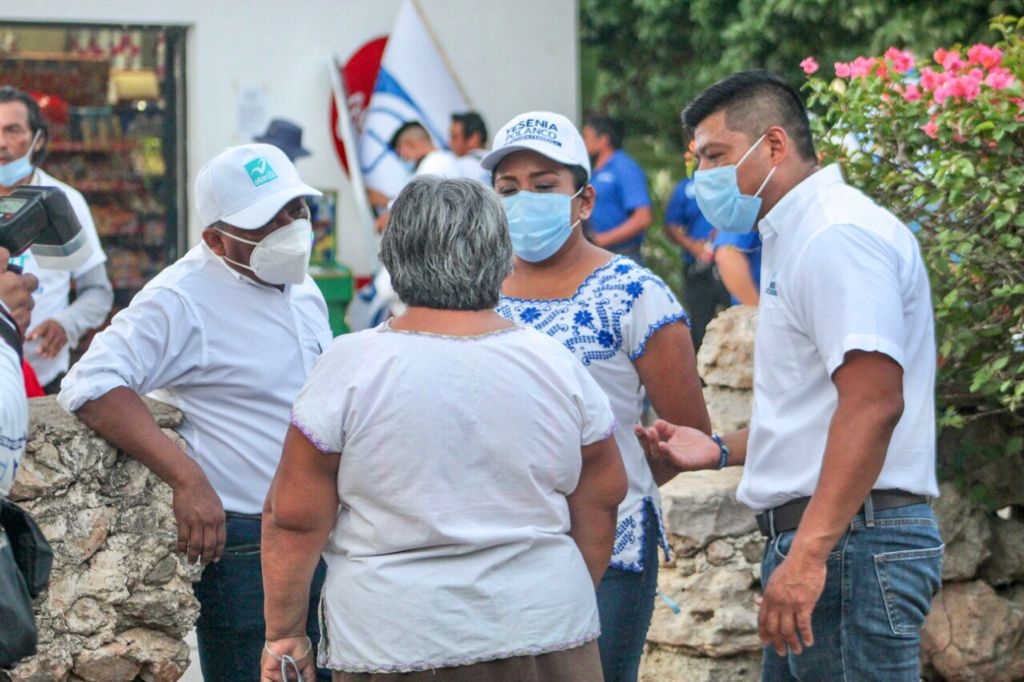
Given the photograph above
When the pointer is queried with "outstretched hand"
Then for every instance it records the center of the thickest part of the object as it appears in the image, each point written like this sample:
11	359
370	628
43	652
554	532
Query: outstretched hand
681	447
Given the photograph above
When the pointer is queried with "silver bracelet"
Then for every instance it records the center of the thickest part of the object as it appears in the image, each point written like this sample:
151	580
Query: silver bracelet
285	660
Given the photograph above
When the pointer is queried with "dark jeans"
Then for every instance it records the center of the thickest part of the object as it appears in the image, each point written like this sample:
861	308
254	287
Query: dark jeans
625	602
704	296
882	575
231	630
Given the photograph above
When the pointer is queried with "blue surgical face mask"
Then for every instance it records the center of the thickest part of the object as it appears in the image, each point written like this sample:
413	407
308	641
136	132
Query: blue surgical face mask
720	200
539	224
15	171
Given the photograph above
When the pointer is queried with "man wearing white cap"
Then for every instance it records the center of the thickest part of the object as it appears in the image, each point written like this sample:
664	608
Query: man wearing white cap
228	335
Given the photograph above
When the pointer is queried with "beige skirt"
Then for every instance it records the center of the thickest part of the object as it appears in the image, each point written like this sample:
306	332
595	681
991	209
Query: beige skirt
582	664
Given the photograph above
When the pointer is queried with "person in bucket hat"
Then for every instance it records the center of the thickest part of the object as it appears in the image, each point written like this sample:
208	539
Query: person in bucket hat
228	335
286	136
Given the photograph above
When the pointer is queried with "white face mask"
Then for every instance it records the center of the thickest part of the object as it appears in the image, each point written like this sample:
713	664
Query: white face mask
13	172
282	257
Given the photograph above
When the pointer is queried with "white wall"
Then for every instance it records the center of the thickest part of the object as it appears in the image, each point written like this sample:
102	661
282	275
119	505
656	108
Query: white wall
510	57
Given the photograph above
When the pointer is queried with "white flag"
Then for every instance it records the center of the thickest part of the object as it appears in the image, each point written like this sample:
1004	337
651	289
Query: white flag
413	84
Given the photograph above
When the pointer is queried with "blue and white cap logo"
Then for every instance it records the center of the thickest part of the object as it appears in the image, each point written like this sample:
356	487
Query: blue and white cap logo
547	133
260	171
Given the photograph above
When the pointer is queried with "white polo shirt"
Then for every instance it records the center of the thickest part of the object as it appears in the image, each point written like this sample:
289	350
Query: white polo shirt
839	273
230	353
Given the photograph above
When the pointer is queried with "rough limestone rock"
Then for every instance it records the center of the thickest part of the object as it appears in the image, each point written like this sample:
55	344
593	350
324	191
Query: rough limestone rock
966	532
119	603
726	356
701	506
668	665
1006	565
714	573
974	635
729	407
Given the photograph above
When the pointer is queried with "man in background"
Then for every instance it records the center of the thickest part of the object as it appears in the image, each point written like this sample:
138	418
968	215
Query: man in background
286	136
622	211
467	137
58	323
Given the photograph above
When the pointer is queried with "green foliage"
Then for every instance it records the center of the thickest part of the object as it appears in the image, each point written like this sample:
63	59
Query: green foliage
940	142
644	60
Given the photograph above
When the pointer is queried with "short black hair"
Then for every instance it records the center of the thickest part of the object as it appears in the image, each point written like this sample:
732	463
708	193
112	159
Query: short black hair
606	125
753	101
36	121
472	123
408	125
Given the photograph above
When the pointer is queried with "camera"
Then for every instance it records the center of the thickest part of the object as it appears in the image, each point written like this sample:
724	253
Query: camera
42	218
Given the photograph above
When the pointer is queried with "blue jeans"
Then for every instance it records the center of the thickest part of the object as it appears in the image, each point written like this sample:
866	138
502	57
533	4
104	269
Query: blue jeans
881	578
625	602
230	630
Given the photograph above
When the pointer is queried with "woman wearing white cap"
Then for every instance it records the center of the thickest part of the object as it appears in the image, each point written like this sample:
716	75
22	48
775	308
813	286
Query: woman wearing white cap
622	322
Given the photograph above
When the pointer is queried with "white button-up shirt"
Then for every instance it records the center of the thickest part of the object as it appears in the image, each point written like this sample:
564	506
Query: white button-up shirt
839	273
227	351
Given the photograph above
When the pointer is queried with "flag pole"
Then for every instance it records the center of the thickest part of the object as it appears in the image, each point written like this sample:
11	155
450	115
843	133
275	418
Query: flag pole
355	171
444	57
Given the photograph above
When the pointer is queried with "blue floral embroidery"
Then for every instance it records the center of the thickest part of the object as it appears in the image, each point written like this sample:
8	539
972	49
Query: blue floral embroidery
529	315
590	323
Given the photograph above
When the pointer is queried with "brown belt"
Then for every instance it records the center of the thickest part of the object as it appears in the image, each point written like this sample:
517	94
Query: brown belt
787	516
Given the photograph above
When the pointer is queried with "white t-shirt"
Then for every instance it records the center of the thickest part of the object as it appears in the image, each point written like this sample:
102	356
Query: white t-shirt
439	162
606	324
839	273
51	296
451	545
227	351
469	167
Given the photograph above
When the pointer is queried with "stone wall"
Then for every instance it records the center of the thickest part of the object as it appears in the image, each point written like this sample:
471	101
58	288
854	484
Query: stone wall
708	633
119	602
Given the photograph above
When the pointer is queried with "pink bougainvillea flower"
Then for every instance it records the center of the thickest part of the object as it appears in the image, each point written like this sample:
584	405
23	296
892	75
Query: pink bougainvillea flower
951	61
911	93
901	60
809	65
861	66
931	79
931	128
968	86
989	57
999	78
842	69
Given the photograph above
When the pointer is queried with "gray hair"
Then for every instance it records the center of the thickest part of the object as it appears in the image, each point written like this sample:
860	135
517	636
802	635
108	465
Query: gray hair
446	245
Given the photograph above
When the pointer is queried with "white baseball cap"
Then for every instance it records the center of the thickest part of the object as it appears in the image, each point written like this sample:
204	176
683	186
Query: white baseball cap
245	186
549	134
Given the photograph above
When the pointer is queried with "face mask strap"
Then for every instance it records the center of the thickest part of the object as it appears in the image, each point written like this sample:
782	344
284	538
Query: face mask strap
236	238
752	148
766	179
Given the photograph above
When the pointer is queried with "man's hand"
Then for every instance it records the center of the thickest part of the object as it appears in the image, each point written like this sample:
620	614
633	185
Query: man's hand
200	518
16	292
52	338
680	447
784	618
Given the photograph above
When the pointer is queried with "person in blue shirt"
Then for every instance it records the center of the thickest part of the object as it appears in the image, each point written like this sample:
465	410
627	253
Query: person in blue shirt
622	211
738	259
704	295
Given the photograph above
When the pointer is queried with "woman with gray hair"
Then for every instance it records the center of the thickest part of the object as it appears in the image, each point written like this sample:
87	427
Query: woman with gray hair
458	473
